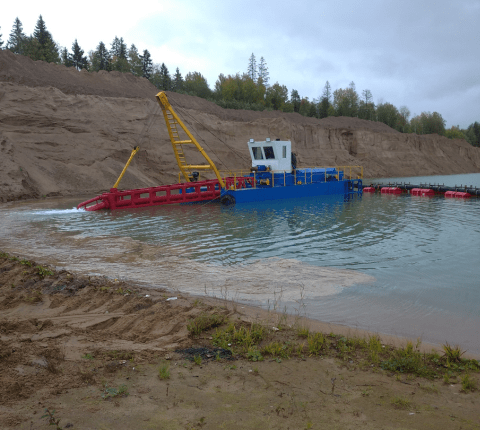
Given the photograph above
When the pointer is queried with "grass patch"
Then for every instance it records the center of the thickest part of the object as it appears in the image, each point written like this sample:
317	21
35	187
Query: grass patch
111	392
164	371
204	322
43	271
401	402
88	356
468	383
241	336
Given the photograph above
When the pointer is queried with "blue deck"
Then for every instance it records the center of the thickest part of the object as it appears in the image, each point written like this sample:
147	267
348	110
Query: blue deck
304	183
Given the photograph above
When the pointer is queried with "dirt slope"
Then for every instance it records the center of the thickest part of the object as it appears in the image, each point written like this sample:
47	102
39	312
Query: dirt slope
64	132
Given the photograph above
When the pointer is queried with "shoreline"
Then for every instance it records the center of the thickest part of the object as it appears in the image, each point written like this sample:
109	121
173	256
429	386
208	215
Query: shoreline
92	351
256	313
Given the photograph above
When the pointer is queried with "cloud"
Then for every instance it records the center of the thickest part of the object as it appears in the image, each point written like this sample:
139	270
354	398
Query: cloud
420	54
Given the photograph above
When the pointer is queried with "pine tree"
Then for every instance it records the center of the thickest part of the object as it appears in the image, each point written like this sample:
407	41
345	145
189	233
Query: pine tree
166	80
79	61
135	61
17	38
65	58
46	49
263	72
295	99
147	64
252	68
325	101
118	53
177	84
100	58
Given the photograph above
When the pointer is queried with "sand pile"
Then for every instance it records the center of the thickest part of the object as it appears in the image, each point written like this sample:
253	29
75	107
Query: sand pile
64	132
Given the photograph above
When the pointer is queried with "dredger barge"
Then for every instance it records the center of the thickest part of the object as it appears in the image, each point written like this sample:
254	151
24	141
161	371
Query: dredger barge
273	175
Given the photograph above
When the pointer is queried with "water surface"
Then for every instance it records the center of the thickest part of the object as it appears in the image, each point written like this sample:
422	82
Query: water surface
401	265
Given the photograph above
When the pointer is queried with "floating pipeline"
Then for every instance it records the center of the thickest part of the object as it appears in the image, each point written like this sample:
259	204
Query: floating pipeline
462	191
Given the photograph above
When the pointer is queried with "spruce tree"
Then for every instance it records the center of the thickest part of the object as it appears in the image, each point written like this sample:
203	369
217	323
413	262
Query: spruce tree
165	79
252	68
118	53
17	38
147	64
65	58
295	99
100	58
325	101
263	72
46	49
177	84
79	61
135	61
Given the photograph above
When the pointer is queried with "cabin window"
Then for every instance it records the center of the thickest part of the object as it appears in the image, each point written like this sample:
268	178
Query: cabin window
257	153
269	154
284	151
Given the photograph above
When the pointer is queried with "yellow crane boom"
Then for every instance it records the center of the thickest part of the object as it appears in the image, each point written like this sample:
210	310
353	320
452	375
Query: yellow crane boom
172	120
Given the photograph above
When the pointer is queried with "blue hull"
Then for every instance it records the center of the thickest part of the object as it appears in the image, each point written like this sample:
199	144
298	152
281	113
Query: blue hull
260	194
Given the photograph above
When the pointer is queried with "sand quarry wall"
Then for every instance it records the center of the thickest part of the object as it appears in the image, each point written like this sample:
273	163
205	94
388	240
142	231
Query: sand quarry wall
64	133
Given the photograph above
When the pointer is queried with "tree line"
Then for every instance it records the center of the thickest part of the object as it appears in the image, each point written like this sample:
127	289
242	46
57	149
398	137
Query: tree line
250	90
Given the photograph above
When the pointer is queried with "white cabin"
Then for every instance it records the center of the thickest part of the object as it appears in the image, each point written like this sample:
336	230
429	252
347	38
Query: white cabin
276	155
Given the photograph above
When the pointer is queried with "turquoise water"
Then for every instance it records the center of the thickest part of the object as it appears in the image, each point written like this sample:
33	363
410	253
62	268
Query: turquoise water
421	255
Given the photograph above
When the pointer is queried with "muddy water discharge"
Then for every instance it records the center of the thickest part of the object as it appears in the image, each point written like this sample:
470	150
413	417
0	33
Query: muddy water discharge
395	264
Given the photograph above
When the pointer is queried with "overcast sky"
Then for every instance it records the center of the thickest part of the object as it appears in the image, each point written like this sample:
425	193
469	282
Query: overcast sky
421	54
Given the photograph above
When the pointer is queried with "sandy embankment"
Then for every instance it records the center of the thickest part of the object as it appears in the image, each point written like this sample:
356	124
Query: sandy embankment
70	343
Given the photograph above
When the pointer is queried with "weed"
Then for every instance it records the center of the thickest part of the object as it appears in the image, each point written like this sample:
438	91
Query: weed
452	354
204	322
254	354
43	271
278	349
468	384
429	388
35	297
374	344
111	392
198	360
366	392
26	263
303	332
316	342
164	372
242	336
401	402
255	370
88	356
299	349
446	378
120	355
122	291
50	415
